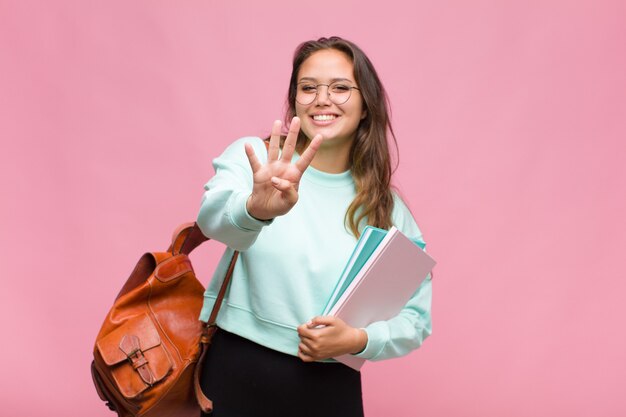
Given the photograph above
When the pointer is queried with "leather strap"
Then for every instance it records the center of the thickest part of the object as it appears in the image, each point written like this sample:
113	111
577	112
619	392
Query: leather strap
229	273
222	292
186	238
190	242
132	349
205	404
208	330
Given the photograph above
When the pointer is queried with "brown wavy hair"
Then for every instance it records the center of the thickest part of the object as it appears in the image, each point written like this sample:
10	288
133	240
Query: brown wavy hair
369	156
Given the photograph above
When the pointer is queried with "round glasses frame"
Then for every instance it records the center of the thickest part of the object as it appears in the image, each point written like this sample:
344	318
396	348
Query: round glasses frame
338	92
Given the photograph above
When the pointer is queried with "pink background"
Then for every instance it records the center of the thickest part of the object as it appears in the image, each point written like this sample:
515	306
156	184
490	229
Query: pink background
511	120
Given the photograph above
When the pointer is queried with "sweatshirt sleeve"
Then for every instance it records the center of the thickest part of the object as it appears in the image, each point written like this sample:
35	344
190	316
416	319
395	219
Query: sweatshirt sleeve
408	330
223	215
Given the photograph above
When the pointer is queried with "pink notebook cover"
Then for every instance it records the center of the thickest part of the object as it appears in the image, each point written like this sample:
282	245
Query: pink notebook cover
383	286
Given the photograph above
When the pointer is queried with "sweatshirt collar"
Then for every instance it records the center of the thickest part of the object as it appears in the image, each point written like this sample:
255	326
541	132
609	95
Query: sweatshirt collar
328	180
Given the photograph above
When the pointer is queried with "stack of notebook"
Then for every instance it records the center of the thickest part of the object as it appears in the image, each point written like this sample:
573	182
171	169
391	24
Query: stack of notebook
383	272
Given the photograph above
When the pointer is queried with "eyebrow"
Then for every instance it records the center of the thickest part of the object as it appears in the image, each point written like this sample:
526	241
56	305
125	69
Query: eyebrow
331	81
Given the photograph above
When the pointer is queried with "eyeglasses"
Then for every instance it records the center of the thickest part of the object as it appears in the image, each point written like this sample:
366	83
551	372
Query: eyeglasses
338	92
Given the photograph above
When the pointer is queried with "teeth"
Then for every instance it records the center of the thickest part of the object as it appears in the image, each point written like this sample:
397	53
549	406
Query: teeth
323	117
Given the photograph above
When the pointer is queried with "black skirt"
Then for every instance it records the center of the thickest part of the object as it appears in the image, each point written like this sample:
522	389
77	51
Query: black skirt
244	379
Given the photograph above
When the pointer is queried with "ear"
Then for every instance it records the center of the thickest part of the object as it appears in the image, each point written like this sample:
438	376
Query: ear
363	114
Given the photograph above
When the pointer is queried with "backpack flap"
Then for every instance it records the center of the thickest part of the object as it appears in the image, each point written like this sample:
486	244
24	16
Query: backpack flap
136	356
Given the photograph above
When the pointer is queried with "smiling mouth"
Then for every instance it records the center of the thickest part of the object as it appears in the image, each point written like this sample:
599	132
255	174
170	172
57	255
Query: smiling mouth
324	117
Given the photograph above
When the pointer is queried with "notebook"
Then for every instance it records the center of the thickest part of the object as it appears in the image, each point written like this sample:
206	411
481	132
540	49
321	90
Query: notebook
389	274
365	246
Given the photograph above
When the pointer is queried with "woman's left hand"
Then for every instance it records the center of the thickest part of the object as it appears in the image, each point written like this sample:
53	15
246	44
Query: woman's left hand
325	337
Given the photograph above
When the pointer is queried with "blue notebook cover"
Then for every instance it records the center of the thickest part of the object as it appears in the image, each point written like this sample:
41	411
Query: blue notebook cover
365	246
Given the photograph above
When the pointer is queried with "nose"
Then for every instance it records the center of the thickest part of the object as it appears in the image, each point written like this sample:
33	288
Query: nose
323	96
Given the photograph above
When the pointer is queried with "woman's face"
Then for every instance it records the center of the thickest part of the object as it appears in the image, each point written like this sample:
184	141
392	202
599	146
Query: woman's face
337	123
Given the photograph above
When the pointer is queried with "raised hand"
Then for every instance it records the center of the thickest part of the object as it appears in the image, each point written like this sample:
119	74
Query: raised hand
275	189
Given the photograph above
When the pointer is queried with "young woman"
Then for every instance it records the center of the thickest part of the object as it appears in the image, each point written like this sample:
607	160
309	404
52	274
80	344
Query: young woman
295	210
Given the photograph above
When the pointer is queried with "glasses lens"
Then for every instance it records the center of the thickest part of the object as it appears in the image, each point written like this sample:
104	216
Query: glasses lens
339	92
306	93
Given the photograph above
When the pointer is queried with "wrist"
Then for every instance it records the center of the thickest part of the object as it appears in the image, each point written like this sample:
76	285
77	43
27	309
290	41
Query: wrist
254	215
360	341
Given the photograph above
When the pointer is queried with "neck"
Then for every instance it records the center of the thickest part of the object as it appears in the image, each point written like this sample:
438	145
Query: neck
333	157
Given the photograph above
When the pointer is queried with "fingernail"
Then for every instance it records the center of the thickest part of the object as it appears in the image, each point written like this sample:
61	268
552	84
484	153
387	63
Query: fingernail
275	180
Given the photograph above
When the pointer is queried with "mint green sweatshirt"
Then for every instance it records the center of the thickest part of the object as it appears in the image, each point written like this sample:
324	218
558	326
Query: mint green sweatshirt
288	267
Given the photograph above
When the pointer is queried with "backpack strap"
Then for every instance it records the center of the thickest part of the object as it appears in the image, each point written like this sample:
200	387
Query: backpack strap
186	238
208	328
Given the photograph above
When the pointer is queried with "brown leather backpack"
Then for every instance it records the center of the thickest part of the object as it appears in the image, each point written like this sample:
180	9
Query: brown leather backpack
148	351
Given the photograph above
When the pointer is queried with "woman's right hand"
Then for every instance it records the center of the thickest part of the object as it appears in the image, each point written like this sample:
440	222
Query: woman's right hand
275	189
